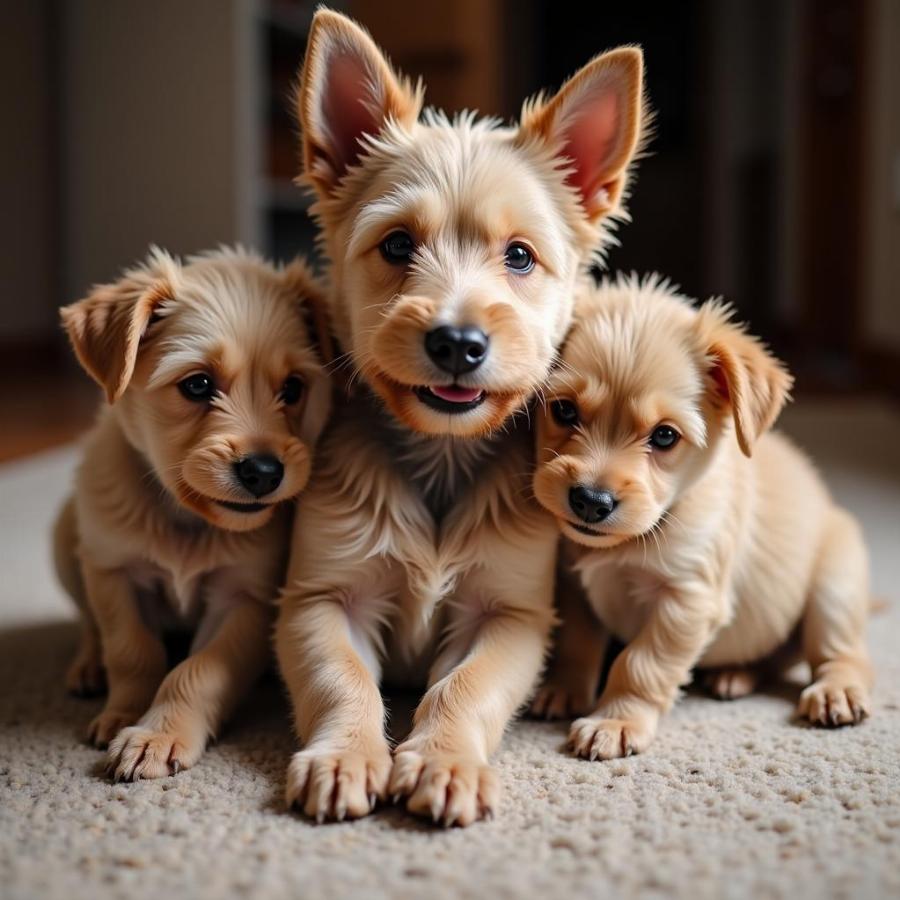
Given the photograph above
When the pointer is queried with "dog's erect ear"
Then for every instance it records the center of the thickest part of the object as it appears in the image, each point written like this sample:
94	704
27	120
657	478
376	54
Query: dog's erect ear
347	90
743	375
595	122
106	327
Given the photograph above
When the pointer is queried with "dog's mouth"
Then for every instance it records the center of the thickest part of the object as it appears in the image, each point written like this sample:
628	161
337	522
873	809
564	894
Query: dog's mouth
450	398
587	529
243	507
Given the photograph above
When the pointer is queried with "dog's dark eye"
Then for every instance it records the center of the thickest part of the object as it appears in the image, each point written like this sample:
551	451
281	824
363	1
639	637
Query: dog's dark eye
397	248
198	387
519	259
565	413
291	390
664	437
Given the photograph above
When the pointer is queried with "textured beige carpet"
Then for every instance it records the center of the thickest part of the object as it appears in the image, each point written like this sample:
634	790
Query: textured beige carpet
734	800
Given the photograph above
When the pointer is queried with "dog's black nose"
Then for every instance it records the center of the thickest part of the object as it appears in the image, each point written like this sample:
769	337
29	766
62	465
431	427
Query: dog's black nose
457	350
591	505
259	473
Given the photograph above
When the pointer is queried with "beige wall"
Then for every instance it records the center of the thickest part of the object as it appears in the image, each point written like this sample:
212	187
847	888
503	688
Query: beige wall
882	238
28	274
152	130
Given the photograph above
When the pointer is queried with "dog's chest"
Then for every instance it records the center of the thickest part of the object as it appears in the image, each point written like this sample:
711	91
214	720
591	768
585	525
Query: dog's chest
180	574
167	599
622	596
442	480
442	471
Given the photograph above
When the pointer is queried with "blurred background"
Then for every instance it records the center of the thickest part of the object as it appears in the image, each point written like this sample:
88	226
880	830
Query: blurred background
774	177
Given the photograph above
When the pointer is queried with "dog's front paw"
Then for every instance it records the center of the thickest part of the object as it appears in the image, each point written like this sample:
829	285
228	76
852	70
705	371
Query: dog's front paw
562	697
340	784
832	703
138	752
599	738
448	789
108	724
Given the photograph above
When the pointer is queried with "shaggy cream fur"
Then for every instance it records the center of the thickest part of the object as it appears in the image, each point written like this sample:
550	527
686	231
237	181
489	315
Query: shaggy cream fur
732	800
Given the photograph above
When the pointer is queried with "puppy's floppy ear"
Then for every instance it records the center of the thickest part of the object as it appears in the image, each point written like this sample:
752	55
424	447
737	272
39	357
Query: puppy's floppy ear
106	327
347	90
306	287
743	375
595	122
302	284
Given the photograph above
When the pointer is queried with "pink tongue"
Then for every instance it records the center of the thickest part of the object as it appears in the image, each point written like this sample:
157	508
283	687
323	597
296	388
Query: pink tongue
454	394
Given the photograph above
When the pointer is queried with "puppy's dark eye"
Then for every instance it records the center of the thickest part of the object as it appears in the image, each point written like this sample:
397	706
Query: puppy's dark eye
519	259
397	248
664	437
565	413
199	387
291	390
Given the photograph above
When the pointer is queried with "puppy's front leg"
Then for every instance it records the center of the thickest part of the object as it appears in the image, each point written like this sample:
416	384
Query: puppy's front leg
645	678
339	714
134	658
196	697
834	628
442	767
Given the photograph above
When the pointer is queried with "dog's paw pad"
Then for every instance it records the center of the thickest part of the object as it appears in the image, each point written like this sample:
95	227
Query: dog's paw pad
86	677
107	725
596	738
731	684
337	785
449	790
557	699
832	704
137	753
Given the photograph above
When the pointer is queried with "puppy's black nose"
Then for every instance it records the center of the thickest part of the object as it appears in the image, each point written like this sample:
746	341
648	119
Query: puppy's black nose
259	473
457	350
591	505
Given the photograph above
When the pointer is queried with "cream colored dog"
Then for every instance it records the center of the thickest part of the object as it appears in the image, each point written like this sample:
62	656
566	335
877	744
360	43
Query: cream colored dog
690	549
455	248
217	396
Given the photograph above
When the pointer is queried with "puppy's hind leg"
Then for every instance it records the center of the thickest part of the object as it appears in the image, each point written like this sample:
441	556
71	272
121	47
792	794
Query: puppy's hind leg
569	687
833	628
731	682
134	657
85	676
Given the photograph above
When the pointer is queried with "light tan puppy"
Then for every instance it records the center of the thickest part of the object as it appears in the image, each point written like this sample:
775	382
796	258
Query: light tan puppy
455	248
217	396
700	539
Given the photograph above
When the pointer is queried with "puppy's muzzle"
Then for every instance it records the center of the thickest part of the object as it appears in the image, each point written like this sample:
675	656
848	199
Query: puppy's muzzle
457	350
259	473
591	505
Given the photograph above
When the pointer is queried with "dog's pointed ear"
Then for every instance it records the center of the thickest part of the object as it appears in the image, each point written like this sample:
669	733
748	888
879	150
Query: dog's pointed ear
743	375
106	327
596	122
347	90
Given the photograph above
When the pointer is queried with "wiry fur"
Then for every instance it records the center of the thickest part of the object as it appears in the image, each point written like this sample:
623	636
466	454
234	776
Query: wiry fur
721	548
144	542
419	552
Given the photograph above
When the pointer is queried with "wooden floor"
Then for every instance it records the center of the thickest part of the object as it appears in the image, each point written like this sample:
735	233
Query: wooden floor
43	409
